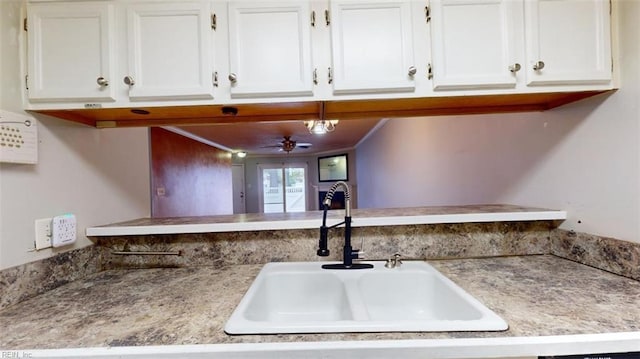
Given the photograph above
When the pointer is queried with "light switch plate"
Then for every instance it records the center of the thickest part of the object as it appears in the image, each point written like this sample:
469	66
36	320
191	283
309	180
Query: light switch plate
43	233
63	230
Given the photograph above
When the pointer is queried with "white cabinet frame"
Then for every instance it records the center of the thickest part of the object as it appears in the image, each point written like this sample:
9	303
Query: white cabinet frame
348	21
70	52
177	80
480	60
267	57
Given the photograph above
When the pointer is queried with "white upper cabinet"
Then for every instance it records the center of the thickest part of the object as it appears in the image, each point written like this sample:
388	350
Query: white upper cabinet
135	53
474	44
70	52
169	51
270	49
568	42
372	47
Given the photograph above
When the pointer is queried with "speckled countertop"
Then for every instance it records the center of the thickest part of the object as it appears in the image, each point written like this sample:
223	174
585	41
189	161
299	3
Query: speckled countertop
537	295
311	219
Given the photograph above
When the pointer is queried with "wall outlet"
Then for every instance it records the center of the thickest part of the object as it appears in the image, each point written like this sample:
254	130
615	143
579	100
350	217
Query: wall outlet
43	233
63	230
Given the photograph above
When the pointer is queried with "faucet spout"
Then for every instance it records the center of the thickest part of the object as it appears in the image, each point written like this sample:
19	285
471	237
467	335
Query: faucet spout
349	254
326	203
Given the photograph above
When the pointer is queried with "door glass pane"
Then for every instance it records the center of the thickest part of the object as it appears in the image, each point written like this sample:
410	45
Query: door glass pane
295	189
272	186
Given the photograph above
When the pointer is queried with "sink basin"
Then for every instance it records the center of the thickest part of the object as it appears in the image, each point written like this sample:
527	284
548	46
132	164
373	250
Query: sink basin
304	298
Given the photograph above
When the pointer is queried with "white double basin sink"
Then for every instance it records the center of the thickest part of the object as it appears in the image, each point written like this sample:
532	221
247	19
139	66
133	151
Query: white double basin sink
304	298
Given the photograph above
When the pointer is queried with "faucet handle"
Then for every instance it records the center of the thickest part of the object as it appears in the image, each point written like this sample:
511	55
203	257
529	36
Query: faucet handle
394	261
361	251
397	259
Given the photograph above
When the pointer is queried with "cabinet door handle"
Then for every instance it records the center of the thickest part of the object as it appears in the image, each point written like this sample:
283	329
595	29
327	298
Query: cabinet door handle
538	66
515	67
102	81
412	70
233	77
128	80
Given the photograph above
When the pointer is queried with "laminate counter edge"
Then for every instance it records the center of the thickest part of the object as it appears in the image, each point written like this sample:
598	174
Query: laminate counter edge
312	219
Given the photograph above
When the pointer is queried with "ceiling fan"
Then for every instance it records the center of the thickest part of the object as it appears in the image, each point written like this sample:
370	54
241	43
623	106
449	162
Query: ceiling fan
287	145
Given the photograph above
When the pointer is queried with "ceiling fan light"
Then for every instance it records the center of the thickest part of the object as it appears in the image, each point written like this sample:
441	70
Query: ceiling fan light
330	125
310	125
321	126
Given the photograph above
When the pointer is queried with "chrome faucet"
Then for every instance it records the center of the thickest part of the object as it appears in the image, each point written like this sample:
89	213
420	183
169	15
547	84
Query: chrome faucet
394	261
349	254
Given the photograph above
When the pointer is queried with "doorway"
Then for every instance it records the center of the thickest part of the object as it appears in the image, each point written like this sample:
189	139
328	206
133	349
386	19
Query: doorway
283	188
237	187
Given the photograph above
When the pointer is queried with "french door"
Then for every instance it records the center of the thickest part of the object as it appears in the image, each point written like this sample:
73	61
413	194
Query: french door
283	188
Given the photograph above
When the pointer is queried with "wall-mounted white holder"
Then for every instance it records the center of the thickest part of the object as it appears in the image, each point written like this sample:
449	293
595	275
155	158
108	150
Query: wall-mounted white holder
63	230
18	138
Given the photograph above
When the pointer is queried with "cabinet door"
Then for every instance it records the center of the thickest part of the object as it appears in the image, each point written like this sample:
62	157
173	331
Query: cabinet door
568	42
270	49
372	47
170	46
70	52
474	44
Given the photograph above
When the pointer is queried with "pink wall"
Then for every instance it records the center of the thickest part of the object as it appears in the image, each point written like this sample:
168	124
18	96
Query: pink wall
195	177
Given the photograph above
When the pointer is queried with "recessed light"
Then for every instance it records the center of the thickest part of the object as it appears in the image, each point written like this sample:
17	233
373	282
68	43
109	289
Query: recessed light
139	111
229	110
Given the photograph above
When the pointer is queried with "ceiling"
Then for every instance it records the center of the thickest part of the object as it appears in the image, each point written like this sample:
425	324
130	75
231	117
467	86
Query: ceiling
261	138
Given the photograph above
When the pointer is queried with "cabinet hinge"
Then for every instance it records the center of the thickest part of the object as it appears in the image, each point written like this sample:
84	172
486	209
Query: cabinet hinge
327	17
429	72
215	78
24	25
26	82
330	76
313	19
214	22
315	76
427	13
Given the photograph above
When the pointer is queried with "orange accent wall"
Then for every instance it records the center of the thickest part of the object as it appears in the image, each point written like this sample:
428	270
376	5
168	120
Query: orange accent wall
188	178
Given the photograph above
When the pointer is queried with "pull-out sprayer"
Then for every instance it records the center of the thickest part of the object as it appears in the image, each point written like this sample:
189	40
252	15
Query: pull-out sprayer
349	253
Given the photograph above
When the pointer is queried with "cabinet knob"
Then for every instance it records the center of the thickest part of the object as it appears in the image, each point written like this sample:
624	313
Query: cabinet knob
128	80
515	67
102	81
233	77
412	70
538	66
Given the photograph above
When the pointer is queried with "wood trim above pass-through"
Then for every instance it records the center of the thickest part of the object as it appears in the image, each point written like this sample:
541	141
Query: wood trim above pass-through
343	110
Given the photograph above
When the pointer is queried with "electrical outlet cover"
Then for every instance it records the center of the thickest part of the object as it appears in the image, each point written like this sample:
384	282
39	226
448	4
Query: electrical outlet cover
43	233
63	230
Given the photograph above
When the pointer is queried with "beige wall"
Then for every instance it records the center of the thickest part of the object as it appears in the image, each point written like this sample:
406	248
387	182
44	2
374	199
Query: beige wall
583	157
101	176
